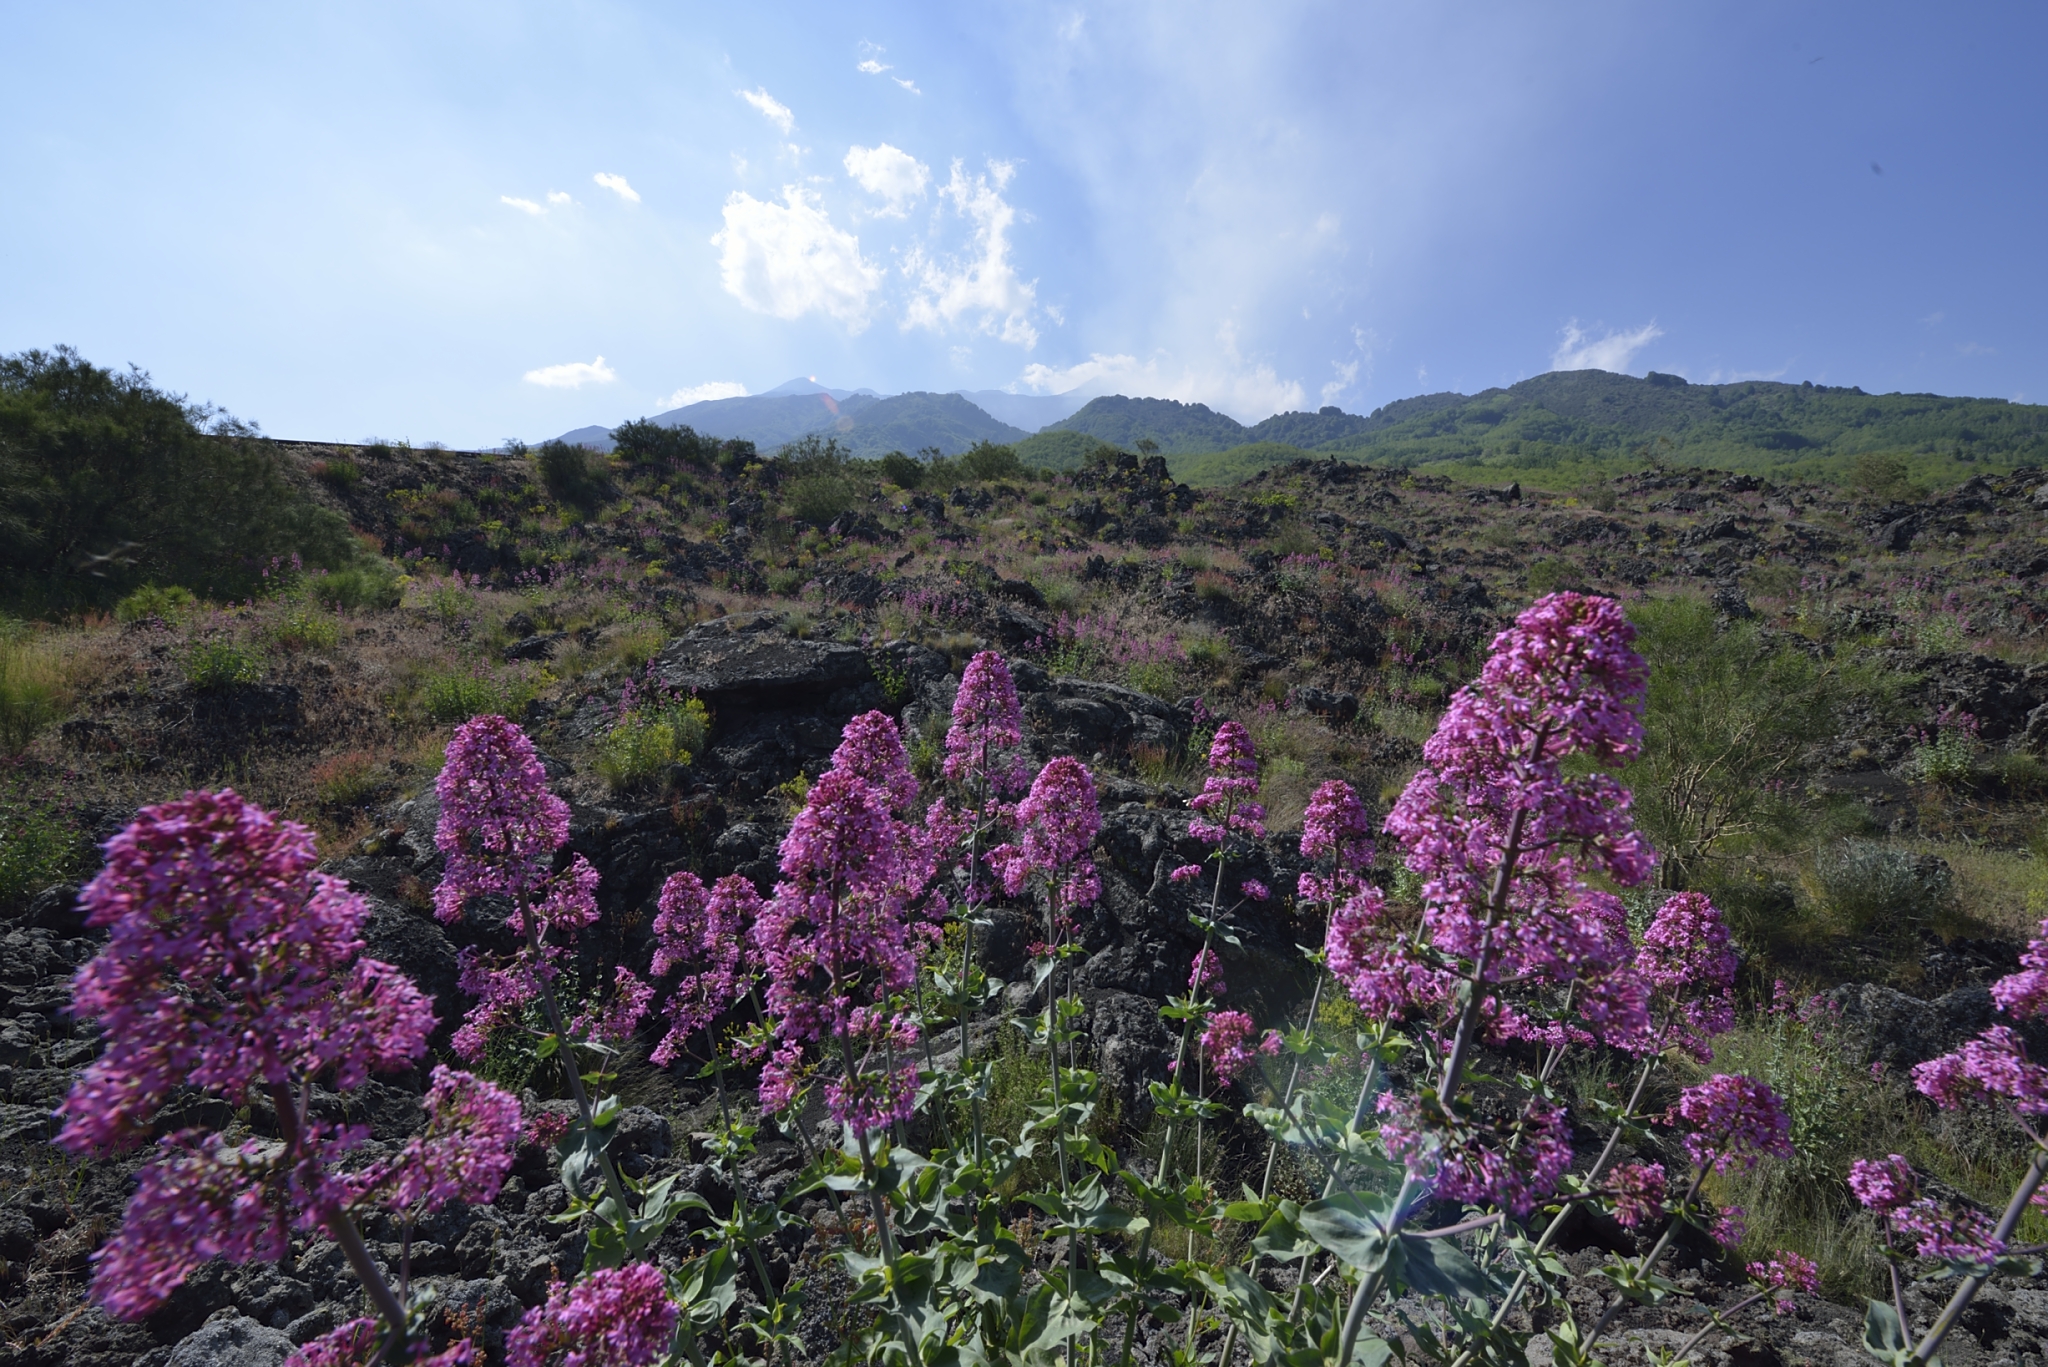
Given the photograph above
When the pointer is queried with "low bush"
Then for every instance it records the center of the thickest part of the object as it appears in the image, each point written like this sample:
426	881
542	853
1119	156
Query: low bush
1878	889
573	474
456	695
40	843
34	691
364	586
646	740
346	780
305	627
165	603
217	662
341	473
905	472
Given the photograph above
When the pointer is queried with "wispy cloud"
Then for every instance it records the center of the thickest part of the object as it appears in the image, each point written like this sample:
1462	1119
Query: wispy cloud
790	259
907	84
872	67
985	285
1581	350
524	206
617	185
772	109
559	197
1719	376
889	172
702	393
573	375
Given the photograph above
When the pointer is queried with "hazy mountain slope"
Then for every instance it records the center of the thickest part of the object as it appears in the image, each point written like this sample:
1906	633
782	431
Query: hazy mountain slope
911	422
1179	428
1028	411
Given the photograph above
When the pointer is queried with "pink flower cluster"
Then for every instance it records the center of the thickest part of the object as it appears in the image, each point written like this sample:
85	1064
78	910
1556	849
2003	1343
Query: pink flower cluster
1735	1120
1687	957
1058	821
357	1342
879	1085
1638	1191
615	1317
1335	828
1228	800
984	747
1206	973
1993	1064
1378	966
1888	1189
500	828
713	930
1227	1044
1515	1168
1786	1272
232	967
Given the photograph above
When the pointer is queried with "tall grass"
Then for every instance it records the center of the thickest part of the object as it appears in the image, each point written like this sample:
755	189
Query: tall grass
35	691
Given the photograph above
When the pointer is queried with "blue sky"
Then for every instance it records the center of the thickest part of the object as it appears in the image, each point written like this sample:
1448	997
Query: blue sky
430	221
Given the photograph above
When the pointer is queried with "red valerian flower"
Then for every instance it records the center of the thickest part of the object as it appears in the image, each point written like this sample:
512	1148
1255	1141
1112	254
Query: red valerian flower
1735	1120
713	930
1228	800
984	747
1228	1047
1786	1271
615	1317
1638	1191
1515	1168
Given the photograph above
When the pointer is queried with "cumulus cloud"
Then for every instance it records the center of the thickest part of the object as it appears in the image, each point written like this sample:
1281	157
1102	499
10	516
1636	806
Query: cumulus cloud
1247	393
617	185
984	287
871	67
573	375
1580	350
888	172
524	206
701	393
559	197
789	259
772	109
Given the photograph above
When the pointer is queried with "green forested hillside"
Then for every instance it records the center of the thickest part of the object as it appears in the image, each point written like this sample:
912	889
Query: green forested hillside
914	421
1178	428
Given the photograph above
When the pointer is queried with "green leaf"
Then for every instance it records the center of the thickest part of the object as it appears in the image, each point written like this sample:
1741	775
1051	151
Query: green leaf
1352	1228
1884	1338
1436	1267
547	1047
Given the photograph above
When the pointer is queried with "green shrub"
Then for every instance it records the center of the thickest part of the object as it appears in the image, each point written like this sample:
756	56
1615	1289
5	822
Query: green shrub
905	472
985	461
785	583
165	603
217	663
571	473
457	695
341	472
1950	758
365	586
1880	889
819	497
641	745
33	692
1156	677
304	627
1547	573
40	844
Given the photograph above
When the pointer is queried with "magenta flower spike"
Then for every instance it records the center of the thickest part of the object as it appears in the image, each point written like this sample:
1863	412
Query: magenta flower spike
500	826
1335	827
872	748
1206	974
1786	1272
879	1085
1058	822
232	967
615	1317
1229	798
1736	1121
1230	1047
987	736
1638	1190
713	930
1687	959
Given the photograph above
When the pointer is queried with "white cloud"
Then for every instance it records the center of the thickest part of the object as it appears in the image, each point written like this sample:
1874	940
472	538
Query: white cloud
986	286
700	393
1247	393
772	109
789	259
559	197
907	84
573	375
1580	350
617	185
1347	376
872	67
1363	342
889	172
524	206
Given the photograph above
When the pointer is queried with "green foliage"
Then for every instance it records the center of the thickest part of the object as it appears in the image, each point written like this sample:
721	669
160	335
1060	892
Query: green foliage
1055	449
641	442
346	780
165	604
987	461
364	586
41	842
1156	677
1885	478
1727	720
218	662
573	474
107	484
305	627
902	471
456	695
640	746
33	691
819	497
948	422
341	473
1179	428
1883	891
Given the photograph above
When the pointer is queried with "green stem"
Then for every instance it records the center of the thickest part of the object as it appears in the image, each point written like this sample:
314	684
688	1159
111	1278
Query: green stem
1974	1283
567	1052
337	1223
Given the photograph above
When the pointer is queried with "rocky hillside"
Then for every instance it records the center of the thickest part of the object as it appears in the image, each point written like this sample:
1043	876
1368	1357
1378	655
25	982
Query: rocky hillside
1330	606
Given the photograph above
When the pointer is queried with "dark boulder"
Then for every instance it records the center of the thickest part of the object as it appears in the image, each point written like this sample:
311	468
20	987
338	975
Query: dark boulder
729	662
